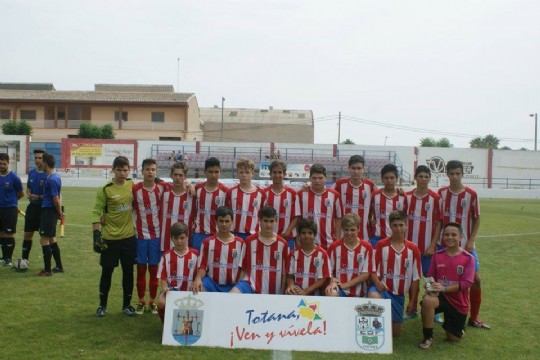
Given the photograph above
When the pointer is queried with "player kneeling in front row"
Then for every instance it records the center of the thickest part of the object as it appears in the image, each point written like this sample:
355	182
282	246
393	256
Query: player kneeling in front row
452	274
308	269
264	257
350	261
177	266
396	269
219	261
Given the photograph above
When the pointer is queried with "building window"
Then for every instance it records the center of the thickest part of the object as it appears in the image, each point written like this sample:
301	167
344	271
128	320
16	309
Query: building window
28	115
5	114
117	115
158	116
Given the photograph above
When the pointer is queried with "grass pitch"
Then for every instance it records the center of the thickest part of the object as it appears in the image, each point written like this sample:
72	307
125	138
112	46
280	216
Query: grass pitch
54	317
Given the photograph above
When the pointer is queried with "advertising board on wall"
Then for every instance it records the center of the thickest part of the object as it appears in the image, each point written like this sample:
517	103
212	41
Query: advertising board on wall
94	153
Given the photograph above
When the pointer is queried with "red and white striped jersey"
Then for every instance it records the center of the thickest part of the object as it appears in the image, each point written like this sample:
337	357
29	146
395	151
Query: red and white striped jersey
207	203
357	200
346	264
381	207
397	270
308	268
221	261
265	264
178	270
146	209
285	205
246	207
422	213
462	208
324	209
175	208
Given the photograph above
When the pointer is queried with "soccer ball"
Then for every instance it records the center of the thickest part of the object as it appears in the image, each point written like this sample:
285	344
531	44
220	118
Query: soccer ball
21	265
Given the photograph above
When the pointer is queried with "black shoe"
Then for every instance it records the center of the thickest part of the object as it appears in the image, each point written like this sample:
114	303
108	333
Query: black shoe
129	310
101	311
57	270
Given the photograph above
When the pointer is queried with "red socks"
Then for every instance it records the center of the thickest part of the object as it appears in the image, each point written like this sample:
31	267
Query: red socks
141	281
475	295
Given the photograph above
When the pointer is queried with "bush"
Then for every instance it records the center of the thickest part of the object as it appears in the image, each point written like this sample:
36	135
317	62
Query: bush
90	131
17	127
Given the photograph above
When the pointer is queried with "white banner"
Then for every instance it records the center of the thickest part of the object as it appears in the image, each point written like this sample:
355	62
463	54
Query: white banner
294	171
278	322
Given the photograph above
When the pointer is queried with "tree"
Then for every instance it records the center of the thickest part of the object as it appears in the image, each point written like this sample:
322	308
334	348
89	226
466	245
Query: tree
431	142
427	142
487	142
91	131
505	148
348	142
17	127
444	142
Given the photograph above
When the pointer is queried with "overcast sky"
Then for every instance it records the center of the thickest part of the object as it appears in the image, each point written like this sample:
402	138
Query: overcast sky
397	70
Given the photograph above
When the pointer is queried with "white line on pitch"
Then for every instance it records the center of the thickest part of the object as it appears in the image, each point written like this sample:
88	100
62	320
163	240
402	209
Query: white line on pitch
281	355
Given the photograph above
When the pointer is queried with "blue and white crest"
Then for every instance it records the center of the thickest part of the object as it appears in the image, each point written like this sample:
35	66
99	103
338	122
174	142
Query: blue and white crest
191	264
317	262
235	253
360	258
277	255
460	270
286	203
364	194
407	263
463	203
187	320
185	204
255	203
327	202
427	207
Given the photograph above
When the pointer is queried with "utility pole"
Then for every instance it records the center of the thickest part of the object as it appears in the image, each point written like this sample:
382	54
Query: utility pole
339	129
222	105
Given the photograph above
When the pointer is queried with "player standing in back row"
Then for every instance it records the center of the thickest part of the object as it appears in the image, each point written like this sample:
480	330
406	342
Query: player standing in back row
146	209
356	193
460	204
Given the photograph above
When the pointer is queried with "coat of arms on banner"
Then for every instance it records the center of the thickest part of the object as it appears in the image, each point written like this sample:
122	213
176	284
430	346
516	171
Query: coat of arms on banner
187	320
370	331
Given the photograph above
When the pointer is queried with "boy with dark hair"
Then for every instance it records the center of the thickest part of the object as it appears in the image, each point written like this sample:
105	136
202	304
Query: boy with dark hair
396	269
146	209
384	201
308	269
112	217
177	205
460	204
245	200
220	257
177	266
34	192
11	191
350	261
321	205
263	259
51	211
356	193
282	198
451	274
424	220
209	196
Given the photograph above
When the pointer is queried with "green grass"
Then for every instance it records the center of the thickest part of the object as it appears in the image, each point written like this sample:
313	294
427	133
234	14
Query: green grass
54	317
